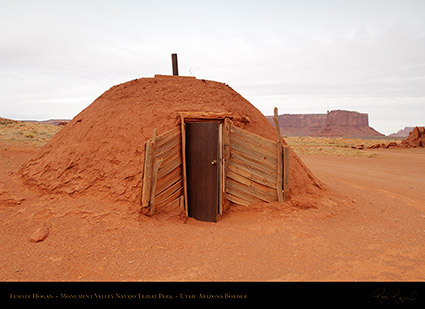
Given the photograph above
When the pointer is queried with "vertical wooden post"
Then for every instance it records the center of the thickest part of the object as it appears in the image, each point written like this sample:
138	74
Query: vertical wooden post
285	173
220	169
147	171
147	174
279	157
175	65
184	163
157	163
226	159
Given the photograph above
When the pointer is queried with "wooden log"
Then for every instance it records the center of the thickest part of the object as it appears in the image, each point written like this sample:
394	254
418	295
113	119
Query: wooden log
279	157
285	173
147	174
156	165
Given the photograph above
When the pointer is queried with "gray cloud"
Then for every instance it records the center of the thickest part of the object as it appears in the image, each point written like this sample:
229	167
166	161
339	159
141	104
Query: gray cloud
57	57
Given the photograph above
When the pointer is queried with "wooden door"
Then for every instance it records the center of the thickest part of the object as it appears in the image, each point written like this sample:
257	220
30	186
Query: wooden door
202	168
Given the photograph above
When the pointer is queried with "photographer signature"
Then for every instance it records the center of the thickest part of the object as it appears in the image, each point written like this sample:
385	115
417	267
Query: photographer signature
392	296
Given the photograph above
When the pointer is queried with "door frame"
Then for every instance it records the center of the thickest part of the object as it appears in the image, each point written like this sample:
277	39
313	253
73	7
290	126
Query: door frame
221	162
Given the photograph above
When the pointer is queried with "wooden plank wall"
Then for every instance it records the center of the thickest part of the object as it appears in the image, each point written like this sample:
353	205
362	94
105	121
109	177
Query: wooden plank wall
252	170
163	172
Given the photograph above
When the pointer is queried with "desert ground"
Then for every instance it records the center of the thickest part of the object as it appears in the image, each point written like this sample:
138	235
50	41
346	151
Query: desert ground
373	229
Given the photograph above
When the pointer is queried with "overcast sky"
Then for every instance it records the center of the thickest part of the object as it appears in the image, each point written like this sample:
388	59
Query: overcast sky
57	56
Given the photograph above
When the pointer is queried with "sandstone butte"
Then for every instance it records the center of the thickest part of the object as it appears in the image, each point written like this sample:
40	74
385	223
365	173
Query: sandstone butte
335	123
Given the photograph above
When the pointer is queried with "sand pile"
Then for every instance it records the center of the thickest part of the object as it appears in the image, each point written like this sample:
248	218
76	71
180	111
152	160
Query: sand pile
416	138
101	151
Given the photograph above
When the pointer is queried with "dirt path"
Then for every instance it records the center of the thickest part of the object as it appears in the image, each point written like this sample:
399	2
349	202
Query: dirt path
377	233
384	234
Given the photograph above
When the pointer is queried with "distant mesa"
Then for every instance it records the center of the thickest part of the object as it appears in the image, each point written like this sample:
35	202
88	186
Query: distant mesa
336	123
55	122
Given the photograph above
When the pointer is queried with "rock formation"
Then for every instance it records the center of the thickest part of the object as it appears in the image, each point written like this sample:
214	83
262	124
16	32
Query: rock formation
334	123
416	138
402	133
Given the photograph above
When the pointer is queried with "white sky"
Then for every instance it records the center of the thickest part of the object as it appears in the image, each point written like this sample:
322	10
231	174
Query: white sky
57	56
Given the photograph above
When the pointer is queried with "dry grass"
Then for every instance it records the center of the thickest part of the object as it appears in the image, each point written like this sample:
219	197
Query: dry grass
20	133
35	134
334	145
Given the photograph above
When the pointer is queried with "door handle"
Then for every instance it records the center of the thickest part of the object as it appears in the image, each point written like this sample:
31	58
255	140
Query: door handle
214	162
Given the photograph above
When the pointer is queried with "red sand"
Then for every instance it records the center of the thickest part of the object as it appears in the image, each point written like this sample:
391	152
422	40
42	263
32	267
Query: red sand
376	233
100	153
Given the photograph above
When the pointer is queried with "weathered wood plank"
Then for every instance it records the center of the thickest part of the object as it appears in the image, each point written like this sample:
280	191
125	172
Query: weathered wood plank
159	150
261	178
172	204
170	156
220	169
252	184
183	143
251	193
172	197
206	115
254	161
253	150
168	192
168	180
226	158
166	136
260	191
244	160
170	167
237	200
236	189
147	174
279	157
254	139
157	163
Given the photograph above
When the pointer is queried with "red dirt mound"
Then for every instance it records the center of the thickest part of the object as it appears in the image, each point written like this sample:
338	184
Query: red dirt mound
101	151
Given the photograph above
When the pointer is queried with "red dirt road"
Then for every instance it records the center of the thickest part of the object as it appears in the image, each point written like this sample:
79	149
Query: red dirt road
373	229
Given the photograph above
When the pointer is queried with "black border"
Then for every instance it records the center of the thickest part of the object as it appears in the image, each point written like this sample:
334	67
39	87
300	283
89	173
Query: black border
198	293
